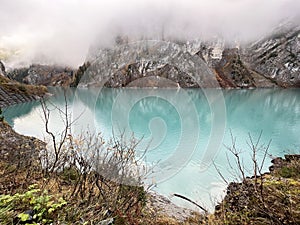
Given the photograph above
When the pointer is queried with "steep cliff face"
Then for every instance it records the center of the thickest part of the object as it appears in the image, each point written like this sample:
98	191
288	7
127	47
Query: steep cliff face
149	64
43	75
150	75
277	57
270	62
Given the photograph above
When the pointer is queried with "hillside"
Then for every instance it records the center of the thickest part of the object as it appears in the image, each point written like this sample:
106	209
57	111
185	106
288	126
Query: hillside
13	92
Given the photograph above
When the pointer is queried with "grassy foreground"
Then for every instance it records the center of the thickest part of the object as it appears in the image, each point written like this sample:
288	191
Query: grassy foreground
31	194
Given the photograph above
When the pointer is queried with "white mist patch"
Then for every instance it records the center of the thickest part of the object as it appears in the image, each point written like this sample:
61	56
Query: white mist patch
62	31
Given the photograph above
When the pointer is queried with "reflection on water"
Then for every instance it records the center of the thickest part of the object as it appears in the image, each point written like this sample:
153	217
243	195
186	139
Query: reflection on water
20	110
178	123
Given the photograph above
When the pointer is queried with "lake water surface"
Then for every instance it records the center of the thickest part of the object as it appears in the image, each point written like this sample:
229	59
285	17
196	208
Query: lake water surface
183	130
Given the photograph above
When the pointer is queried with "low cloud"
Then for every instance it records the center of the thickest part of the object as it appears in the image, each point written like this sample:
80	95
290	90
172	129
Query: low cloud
61	31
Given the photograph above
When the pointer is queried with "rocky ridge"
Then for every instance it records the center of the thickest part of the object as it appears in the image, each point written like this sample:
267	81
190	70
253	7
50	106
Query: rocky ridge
273	61
13	92
46	75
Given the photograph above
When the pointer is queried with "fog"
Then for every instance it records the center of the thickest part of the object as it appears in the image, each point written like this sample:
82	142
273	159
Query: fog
62	31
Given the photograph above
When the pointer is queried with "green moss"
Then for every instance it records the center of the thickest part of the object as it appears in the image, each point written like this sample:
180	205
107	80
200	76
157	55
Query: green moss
289	172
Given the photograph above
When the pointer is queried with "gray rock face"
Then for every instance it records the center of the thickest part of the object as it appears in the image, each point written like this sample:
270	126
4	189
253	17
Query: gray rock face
17	74
278	56
142	75
125	64
270	62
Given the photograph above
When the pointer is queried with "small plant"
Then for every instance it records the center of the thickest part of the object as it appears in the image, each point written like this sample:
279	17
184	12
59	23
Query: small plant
32	207
289	171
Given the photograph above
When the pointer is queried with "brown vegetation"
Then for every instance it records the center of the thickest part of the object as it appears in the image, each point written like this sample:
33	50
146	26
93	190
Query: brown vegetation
18	88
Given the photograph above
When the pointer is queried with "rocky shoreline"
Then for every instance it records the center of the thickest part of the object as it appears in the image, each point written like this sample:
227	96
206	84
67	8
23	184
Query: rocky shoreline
270	198
162	205
16	150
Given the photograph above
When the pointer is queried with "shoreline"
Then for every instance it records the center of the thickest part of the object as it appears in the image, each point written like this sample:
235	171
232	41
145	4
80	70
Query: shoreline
160	206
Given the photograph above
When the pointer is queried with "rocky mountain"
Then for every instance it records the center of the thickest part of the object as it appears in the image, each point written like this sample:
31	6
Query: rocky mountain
273	61
277	57
148	64
43	75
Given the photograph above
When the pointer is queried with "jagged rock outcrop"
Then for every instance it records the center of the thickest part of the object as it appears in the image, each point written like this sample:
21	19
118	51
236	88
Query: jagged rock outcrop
211	51
277	57
262	199
43	75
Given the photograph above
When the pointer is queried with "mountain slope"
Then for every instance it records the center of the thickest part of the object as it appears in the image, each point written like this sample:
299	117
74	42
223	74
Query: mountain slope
12	92
277	57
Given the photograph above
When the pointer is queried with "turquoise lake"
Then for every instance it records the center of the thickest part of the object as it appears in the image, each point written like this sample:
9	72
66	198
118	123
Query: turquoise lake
186	131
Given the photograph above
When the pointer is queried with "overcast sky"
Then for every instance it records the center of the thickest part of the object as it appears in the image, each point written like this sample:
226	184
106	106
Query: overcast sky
63	30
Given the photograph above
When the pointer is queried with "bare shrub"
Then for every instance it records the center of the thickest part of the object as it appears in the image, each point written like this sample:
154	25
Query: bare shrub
105	176
264	198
